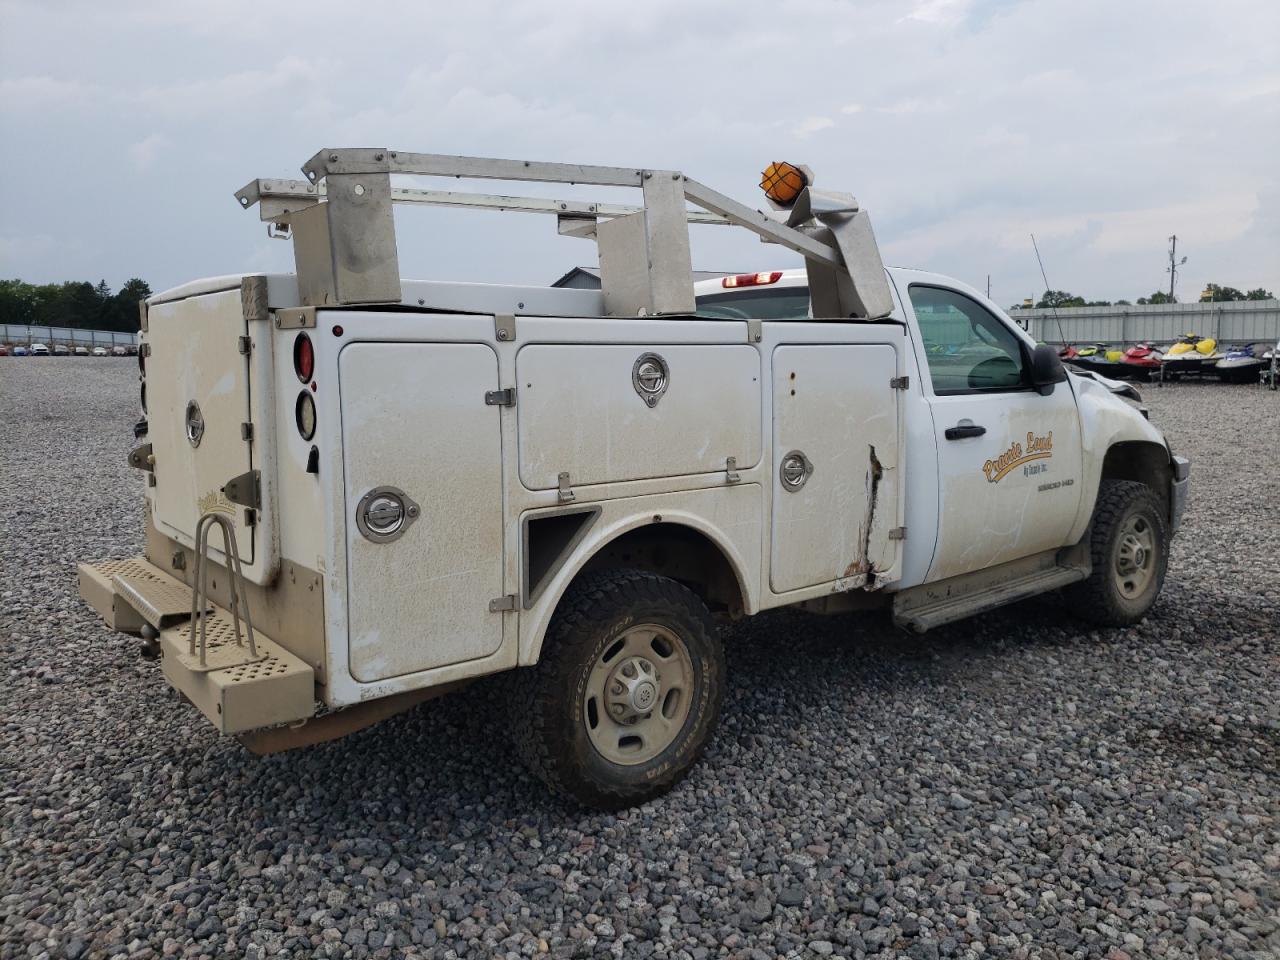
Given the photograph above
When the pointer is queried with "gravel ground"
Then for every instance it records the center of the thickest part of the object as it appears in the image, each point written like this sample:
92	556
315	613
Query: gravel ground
1012	786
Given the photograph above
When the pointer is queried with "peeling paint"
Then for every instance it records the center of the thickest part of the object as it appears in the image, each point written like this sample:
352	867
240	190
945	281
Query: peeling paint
874	473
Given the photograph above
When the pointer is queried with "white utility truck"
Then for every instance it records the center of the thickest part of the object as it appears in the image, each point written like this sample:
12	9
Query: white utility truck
415	484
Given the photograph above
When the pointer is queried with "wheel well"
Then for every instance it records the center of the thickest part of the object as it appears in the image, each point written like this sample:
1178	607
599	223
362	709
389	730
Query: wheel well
1142	461
682	553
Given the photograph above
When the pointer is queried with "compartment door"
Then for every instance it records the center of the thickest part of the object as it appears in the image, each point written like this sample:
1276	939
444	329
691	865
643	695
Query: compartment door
197	400
414	419
835	464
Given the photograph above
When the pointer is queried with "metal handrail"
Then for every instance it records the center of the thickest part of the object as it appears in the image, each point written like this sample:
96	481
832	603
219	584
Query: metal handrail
200	593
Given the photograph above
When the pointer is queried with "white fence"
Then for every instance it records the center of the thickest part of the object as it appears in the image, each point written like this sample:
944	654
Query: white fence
1237	321
23	335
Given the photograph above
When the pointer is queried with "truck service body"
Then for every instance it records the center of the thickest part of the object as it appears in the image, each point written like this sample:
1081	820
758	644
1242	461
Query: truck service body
424	483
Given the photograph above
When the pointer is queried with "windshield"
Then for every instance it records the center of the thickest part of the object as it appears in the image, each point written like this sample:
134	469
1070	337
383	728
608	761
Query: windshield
776	303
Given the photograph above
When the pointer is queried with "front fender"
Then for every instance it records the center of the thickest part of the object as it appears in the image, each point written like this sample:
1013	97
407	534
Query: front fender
1106	420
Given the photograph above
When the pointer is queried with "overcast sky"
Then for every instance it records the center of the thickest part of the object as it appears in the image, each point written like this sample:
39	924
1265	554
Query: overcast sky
1102	126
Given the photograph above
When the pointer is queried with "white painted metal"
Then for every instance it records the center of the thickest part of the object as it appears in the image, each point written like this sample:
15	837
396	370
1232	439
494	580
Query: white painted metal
1033	506
195	357
579	412
834	404
413	416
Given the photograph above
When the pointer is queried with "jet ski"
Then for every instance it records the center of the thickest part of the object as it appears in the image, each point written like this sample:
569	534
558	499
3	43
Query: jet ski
1242	365
1138	362
1096	358
1191	353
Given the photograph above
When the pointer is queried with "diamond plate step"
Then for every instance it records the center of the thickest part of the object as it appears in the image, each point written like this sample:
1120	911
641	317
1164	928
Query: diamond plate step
159	599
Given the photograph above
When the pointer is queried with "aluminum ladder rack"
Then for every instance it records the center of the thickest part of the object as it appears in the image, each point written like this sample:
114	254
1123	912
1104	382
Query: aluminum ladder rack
345	253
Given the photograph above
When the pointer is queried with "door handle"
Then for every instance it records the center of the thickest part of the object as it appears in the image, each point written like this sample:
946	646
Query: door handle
965	428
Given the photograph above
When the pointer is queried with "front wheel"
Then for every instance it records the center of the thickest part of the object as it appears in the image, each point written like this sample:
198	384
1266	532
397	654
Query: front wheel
626	693
1129	548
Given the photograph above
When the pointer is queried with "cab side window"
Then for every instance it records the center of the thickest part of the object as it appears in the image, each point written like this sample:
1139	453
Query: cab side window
968	348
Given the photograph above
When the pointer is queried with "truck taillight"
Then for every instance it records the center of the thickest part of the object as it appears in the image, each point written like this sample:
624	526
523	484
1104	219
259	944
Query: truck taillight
305	415
304	358
751	279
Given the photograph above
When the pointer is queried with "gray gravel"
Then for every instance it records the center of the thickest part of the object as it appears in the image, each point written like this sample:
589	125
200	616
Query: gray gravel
1012	786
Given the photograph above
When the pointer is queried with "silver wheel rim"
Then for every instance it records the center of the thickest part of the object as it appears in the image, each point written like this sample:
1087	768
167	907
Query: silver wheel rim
1135	557
638	694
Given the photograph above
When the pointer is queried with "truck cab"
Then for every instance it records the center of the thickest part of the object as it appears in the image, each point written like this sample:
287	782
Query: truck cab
363	491
988	449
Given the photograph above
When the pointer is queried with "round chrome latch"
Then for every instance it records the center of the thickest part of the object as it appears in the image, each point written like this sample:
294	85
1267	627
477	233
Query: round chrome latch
385	513
195	424
794	471
649	376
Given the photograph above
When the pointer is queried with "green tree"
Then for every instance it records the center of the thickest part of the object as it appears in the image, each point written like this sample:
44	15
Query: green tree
1216	294
1060	298
1259	294
76	304
1123	303
1158	297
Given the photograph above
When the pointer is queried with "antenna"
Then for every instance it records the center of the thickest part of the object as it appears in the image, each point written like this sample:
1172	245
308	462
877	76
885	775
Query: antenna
1058	319
1174	263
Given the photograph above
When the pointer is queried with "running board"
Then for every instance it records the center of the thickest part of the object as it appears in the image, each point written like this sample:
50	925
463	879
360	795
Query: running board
934	604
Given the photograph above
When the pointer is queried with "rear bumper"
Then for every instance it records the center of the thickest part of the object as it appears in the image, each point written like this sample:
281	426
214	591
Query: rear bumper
235	690
1179	487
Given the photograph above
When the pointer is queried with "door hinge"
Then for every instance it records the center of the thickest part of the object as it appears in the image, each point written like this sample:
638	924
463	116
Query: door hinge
900	383
755	331
506	397
141	458
731	470
502	604
898	533
245	489
504	326
250	517
563	489
246	431
246	345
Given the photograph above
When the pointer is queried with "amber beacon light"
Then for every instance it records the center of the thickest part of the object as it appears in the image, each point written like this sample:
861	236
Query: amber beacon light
782	182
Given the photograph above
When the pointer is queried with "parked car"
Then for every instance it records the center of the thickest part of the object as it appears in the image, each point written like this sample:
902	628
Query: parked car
61	350
80	351
20	351
4	349
119	352
39	350
99	351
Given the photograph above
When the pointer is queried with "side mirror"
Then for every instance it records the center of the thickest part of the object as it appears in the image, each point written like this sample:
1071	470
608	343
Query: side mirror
1046	369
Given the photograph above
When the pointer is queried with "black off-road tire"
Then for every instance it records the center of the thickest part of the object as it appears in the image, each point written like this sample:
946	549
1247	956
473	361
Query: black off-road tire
1100	599
548	718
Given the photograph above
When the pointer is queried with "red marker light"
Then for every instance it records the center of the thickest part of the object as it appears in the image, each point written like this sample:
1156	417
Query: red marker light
751	279
337	329
304	357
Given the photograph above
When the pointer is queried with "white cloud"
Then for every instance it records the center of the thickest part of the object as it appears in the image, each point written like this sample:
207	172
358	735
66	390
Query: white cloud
145	151
952	120
938	11
811	125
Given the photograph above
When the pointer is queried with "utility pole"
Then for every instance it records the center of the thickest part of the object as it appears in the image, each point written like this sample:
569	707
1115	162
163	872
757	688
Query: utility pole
1174	263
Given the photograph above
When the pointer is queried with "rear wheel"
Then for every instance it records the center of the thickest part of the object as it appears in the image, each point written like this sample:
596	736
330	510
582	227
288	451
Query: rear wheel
1129	547
627	691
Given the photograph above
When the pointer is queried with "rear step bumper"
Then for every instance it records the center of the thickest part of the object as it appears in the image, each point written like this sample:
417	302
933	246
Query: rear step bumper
236	691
